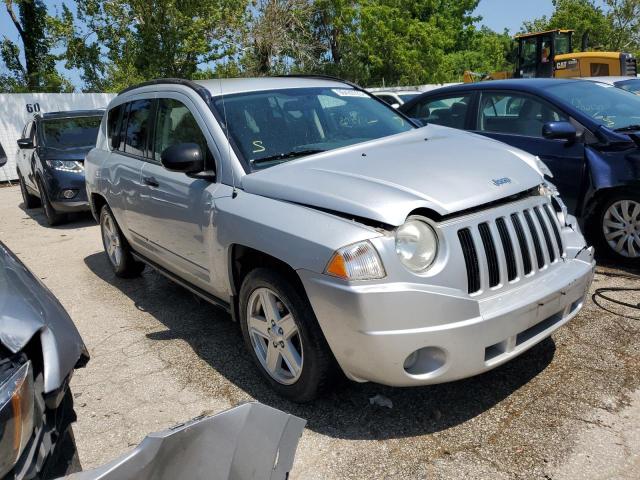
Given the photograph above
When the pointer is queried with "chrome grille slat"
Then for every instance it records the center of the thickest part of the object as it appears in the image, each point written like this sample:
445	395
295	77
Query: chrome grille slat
470	259
490	253
551	251
535	238
509	247
523	242
553	220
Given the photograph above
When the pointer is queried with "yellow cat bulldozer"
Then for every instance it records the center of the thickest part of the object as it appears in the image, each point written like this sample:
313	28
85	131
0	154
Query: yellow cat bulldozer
550	54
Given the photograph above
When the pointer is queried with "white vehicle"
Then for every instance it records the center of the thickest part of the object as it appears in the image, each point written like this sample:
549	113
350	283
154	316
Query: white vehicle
395	99
630	84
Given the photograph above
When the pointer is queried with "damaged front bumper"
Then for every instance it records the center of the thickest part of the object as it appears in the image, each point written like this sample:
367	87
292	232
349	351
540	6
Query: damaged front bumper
251	441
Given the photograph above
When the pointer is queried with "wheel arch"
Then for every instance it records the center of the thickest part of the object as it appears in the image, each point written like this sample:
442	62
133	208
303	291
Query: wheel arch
243	259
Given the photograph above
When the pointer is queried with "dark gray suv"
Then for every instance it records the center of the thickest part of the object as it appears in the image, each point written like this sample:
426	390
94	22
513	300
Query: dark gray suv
51	161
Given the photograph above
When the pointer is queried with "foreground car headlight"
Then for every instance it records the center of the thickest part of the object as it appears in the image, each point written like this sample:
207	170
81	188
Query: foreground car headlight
359	261
16	415
66	165
416	245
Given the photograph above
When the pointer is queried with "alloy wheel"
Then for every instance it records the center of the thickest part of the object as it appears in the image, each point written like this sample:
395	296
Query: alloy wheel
111	239
621	228
275	337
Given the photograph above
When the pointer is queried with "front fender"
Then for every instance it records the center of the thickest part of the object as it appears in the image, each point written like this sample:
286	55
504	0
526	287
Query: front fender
610	169
300	236
27	310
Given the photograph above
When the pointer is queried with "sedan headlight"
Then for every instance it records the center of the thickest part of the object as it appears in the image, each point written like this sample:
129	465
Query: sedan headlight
359	261
66	165
416	245
16	415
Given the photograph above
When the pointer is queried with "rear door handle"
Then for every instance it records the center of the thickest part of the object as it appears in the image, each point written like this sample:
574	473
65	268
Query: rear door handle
151	181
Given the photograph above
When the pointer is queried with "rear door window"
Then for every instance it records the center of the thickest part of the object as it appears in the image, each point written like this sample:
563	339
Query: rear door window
113	117
138	128
515	113
446	111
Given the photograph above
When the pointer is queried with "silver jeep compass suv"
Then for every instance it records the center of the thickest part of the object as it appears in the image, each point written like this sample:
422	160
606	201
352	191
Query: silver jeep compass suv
338	233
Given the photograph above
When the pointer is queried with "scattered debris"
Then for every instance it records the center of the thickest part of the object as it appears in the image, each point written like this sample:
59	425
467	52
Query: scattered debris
381	401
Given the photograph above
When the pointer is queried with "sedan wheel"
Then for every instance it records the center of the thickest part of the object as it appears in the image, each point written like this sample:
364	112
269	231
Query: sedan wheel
275	337
621	228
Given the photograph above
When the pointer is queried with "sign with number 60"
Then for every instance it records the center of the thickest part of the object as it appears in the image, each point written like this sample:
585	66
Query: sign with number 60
33	107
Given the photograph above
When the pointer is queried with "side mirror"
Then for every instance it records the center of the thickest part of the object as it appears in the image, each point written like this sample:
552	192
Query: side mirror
559	131
25	143
183	157
419	121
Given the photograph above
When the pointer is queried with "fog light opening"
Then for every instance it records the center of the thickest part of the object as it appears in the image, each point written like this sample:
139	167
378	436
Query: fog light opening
69	194
425	360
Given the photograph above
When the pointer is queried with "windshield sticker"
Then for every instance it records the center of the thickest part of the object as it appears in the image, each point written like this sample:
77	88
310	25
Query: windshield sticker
258	146
348	92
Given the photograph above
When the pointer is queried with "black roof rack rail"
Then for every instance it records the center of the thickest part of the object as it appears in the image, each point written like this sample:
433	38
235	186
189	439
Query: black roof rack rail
199	89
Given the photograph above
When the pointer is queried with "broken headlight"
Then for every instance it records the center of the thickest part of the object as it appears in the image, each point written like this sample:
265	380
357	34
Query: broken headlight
16	412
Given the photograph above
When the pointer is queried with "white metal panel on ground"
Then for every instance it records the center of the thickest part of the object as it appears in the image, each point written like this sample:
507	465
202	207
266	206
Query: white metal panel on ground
16	109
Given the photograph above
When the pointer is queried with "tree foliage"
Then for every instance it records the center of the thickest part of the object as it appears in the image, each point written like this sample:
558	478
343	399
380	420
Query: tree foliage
37	72
114	43
613	27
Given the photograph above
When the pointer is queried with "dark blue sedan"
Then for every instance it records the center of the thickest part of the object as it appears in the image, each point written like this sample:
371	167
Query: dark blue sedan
587	133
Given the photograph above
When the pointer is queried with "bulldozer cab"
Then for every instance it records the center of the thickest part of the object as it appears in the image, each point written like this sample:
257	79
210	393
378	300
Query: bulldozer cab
537	51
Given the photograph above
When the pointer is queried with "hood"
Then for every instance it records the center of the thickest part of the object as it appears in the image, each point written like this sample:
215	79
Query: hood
72	153
28	308
433	167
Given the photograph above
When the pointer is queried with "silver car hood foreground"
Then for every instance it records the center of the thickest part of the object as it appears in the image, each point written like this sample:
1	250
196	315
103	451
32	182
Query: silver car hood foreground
434	167
27	309
249	442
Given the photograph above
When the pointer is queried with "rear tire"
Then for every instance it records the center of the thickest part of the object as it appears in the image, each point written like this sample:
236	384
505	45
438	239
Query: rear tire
117	248
28	200
53	218
284	339
617	227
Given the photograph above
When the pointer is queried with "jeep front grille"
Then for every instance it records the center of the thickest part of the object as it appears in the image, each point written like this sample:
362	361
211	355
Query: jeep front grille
504	249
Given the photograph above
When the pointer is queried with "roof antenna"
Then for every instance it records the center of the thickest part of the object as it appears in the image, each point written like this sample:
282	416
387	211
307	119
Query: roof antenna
234	192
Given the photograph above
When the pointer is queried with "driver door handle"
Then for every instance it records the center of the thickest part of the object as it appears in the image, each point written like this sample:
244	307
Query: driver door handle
151	181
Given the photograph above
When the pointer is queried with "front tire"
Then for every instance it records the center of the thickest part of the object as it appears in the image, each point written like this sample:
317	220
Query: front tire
283	337
116	247
53	218
619	227
28	200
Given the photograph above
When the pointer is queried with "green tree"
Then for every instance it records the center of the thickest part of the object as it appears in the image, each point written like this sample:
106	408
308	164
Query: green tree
38	71
624	17
120	42
583	16
391	42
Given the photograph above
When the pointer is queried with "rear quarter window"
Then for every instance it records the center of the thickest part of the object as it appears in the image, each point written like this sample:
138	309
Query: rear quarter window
113	118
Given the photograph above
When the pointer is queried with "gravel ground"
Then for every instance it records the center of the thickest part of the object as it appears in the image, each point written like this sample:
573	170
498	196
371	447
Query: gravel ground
568	408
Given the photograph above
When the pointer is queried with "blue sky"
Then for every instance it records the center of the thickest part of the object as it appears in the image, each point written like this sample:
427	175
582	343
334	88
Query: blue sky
497	14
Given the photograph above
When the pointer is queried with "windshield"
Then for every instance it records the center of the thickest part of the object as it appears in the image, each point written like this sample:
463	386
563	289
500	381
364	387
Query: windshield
609	106
70	132
275	126
632	86
563	43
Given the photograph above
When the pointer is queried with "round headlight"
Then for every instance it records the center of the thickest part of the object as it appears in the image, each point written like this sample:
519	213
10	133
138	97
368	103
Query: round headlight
416	245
